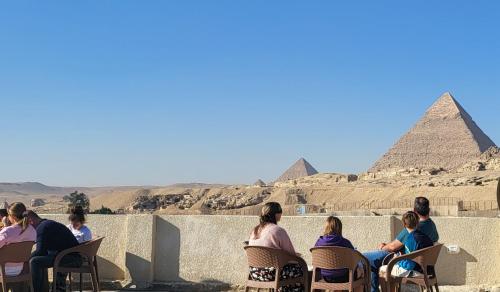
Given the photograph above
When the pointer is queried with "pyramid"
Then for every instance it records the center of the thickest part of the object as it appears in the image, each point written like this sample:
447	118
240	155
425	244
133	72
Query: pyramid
259	183
299	169
445	137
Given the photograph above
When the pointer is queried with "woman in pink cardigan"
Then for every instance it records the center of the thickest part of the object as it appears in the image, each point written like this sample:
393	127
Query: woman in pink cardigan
19	231
269	234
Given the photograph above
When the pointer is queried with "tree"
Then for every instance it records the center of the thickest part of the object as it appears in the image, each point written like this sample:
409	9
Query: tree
77	199
103	210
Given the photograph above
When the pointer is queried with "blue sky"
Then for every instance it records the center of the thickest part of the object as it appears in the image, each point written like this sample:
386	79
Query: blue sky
157	92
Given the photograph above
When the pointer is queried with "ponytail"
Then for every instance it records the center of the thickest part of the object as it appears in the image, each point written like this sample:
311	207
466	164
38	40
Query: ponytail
18	211
267	215
24	224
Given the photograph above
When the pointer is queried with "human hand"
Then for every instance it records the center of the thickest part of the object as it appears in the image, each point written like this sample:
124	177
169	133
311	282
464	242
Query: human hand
381	246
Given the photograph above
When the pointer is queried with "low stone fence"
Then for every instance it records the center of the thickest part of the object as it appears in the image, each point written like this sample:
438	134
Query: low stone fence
144	249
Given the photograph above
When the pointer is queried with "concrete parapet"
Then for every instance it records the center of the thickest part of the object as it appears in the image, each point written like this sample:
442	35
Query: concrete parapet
142	249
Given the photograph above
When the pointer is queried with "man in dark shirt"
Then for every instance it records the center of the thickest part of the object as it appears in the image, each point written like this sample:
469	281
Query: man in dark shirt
51	238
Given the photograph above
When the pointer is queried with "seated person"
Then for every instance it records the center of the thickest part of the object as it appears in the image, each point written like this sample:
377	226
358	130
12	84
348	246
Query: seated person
4	218
333	237
51	238
77	225
20	230
415	240
426	225
269	234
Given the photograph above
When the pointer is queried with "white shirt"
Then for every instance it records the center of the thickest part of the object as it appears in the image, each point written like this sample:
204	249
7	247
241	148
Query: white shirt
83	234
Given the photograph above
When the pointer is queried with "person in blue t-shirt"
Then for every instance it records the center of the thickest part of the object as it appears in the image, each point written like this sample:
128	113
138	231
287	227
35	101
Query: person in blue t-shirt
415	240
425	226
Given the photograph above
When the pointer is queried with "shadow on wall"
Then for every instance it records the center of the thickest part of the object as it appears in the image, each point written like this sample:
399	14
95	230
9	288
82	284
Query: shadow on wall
139	270
168	249
452	268
109	270
167	268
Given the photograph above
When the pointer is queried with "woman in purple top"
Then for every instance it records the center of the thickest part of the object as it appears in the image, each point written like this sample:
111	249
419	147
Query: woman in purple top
333	237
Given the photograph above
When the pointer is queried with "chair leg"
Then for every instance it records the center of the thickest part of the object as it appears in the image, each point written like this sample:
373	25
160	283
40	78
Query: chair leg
97	273
81	283
54	279
31	284
95	285
70	282
437	288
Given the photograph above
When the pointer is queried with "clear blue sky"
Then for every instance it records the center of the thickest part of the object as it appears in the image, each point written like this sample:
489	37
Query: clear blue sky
157	92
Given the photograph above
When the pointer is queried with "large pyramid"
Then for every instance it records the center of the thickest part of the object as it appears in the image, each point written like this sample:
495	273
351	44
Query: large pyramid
299	169
446	137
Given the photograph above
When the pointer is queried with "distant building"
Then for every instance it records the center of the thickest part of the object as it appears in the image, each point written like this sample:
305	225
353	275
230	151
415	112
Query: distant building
37	202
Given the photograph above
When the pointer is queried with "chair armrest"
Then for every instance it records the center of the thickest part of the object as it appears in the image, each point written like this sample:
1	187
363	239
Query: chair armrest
361	258
64	253
287	258
396	260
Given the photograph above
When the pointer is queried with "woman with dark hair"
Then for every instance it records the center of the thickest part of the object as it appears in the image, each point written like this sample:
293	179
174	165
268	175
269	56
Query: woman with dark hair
269	234
77	225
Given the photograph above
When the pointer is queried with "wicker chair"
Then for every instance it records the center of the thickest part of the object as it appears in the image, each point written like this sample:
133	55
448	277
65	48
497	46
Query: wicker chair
266	257
426	258
333	257
16	253
88	250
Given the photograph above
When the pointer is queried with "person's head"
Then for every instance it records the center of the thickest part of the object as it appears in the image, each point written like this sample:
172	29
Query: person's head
17	215
270	213
421	207
3	213
333	225
410	220
77	217
33	218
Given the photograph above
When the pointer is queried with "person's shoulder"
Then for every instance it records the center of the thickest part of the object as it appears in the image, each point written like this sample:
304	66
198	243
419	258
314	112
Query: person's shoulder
31	231
275	229
85	229
10	229
402	235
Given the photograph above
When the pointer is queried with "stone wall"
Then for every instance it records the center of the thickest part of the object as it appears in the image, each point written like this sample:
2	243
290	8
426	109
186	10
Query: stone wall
142	249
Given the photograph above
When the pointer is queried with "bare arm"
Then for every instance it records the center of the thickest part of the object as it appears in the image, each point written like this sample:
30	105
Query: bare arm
392	246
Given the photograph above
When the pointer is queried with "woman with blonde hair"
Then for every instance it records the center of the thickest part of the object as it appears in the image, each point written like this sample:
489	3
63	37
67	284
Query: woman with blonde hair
269	234
19	231
332	236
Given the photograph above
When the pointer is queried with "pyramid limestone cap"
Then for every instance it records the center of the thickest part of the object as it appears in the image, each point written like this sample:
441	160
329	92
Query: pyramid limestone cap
446	106
299	169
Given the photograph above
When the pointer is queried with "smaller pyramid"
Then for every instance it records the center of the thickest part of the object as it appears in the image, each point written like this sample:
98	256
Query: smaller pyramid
299	169
259	183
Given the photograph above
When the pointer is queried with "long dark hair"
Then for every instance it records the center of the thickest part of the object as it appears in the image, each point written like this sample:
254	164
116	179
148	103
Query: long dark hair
267	215
77	214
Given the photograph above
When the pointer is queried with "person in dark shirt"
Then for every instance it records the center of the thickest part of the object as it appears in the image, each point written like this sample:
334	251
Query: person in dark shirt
51	238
